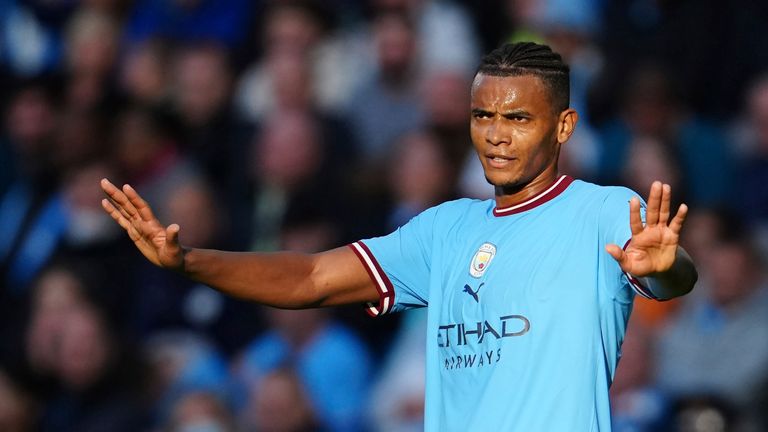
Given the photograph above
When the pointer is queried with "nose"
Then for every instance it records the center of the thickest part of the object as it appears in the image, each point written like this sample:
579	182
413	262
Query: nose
495	134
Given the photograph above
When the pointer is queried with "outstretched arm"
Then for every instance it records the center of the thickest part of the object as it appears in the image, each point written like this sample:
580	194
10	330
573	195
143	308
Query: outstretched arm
653	255
285	279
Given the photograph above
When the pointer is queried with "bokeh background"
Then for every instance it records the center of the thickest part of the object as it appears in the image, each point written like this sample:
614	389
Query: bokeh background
304	125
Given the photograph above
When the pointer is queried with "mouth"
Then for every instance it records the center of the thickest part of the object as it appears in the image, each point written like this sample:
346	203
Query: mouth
496	161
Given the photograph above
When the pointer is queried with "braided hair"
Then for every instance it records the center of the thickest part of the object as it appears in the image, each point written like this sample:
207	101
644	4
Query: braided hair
528	58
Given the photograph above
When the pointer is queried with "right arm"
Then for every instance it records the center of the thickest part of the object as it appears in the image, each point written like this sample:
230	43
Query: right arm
284	279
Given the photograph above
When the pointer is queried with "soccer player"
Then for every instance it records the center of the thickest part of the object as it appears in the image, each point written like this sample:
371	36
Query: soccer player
528	294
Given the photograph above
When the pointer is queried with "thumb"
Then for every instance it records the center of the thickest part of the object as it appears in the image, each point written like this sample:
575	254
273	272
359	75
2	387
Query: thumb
173	256
616	252
172	235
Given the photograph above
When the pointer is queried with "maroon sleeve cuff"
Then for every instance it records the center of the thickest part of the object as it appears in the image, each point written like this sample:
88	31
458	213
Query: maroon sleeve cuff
380	280
635	283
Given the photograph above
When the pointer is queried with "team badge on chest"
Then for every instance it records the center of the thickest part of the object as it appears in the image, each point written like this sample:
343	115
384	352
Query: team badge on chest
482	260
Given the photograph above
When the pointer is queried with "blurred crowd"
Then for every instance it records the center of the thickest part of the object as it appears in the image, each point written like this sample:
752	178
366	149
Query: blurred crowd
304	125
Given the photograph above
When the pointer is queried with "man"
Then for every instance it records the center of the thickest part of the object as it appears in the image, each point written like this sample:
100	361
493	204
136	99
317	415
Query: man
528	294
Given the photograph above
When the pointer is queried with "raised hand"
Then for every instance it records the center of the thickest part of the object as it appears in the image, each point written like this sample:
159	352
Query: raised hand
158	243
653	247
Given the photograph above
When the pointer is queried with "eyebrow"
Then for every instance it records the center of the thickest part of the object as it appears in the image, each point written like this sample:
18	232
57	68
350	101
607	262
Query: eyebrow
476	111
513	113
516	113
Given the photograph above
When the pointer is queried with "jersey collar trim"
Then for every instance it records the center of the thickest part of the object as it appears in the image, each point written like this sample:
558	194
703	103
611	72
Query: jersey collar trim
546	195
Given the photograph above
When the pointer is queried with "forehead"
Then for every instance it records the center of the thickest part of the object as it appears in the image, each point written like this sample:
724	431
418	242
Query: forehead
509	92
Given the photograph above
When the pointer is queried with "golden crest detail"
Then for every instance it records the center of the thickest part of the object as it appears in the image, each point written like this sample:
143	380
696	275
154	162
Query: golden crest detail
482	260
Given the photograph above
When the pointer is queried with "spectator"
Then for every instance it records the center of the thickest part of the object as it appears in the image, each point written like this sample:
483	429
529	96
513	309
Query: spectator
32	217
385	106
199	412
18	410
397	398
718	344
97	385
80	140
650	110
332	364
166	302
58	292
704	414
291	162
144	74
280	405
153	92
147	155
298	33
92	45
419	177
444	30
87	226
29	124
211	136
637	404
446	98
30	36
569	27
224	21
187	373
751	198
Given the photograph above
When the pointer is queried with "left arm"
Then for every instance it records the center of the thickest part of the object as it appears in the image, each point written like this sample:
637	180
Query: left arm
653	255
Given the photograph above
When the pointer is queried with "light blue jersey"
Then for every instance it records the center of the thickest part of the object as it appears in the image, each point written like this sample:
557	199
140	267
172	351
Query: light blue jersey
527	311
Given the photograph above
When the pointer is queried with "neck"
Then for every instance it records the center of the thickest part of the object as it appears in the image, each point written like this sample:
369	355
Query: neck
510	195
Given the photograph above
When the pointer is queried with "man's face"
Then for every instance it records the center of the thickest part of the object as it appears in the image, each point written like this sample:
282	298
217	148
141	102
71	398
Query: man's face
515	129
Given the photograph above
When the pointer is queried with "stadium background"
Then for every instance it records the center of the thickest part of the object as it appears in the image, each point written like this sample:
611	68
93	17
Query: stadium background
303	125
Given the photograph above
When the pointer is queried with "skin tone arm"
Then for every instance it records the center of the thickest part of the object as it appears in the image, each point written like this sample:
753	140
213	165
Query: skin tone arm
285	280
653	254
295	280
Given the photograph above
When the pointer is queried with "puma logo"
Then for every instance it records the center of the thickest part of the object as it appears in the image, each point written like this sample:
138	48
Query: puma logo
468	290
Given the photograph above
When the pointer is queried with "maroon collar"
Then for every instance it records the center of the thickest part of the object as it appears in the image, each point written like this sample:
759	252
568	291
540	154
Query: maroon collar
547	194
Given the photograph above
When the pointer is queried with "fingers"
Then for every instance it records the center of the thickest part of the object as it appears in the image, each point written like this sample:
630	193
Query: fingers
119	199
666	197
143	209
120	218
114	213
635	221
677	222
659	203
654	204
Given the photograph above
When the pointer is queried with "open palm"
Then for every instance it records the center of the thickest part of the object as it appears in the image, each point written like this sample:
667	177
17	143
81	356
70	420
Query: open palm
653	247
158	243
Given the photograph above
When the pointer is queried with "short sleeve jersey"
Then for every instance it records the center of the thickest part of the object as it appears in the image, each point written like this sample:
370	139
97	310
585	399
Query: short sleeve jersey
527	311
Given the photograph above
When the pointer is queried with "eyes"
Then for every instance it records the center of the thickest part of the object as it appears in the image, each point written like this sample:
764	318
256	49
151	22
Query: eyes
481	115
519	118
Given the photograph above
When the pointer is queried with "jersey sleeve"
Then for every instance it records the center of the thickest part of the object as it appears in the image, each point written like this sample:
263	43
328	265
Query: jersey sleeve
614	228
399	264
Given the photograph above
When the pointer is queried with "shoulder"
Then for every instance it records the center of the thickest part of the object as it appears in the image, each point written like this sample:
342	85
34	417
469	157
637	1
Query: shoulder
460	205
602	195
448	214
459	209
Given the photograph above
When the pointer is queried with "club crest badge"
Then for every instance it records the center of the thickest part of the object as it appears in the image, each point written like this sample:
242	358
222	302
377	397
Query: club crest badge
482	260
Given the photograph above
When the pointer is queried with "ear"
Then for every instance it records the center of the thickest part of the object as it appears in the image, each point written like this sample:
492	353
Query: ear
566	123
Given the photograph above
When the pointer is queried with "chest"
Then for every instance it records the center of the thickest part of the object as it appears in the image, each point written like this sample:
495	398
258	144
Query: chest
525	267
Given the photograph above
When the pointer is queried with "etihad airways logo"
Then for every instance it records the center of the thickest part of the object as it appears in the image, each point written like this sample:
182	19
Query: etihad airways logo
458	334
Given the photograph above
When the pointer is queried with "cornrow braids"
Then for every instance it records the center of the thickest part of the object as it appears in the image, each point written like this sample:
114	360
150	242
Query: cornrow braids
528	58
